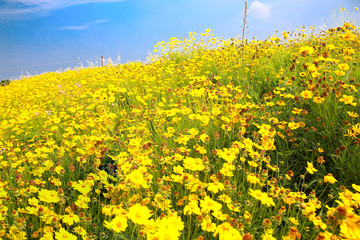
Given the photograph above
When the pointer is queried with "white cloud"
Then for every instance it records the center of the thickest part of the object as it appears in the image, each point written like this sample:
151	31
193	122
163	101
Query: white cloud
84	26
36	8
260	10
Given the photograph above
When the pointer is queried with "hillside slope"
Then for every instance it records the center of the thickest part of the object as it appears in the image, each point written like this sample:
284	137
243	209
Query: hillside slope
212	139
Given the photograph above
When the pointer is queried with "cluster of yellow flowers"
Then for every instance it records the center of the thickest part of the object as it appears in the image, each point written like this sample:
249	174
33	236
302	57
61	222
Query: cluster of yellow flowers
213	139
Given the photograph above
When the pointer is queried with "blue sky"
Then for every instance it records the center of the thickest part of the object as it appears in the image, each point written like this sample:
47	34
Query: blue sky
48	35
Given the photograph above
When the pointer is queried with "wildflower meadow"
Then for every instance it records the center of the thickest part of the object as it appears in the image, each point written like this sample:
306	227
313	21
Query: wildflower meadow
210	139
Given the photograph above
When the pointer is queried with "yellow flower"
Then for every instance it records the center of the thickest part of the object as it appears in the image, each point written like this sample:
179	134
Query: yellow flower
293	125
204	137
208	225
83	187
251	178
263	197
352	114
59	170
216	111
48	196
64	235
348	100
227	232
192	208
183	139
307	94
318	100
82	201
343	66
296	111
356	187
70	219
169	228
306	50
339	73
118	224
330	47
350	227
207	205
193	132
225	198
294	233
329	178
310	168
302	74
193	164
81	231
294	221
215	187
139	214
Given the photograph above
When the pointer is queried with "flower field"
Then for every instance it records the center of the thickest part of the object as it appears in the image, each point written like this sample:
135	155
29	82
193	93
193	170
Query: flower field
211	139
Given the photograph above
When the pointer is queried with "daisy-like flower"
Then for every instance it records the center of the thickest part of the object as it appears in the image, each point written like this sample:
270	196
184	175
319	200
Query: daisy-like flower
306	94
207	204
194	164
118	224
352	114
310	168
70	219
305	50
251	178
192	208
350	226
293	220
343	66
329	178
215	187
261	196
318	100
62	234
348	100
293	125
139	214
330	47
48	196
226	231
356	187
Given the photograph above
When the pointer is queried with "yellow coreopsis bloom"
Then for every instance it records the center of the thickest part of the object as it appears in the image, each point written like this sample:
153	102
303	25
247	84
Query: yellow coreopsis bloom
48	196
251	178
208	225
343	66
193	164
348	100
329	178
192	208
352	114
356	187
310	168
227	232
118	224
139	214
306	50
207	204
307	94
62	234
70	219
293	125
215	187
330	47
350	226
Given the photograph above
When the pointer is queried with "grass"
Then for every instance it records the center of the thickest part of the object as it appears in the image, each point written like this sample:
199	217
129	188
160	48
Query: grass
205	141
